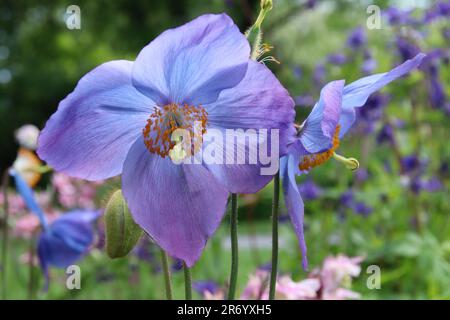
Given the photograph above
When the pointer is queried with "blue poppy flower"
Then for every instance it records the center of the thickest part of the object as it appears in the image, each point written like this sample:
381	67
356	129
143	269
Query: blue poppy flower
121	115
65	240
320	134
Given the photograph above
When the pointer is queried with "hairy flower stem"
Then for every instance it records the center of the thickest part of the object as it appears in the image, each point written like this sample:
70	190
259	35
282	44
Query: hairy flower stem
275	208
254	33
5	238
234	247
187	282
167	278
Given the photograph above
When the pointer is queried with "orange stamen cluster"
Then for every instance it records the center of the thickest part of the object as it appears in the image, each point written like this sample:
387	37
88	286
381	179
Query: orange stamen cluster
164	121
314	160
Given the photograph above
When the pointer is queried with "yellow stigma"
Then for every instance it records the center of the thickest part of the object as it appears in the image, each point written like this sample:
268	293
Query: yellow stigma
313	160
161	136
350	163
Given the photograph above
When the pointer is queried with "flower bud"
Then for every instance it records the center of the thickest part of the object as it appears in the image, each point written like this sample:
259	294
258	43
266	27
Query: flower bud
122	233
266	5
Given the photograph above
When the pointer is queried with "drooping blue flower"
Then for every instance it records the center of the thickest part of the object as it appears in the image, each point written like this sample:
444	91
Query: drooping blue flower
337	59
406	49
410	163
362	209
320	134
65	240
357	38
386	134
369	64
373	109
309	190
347	198
203	286
319	75
120	119
396	16
436	90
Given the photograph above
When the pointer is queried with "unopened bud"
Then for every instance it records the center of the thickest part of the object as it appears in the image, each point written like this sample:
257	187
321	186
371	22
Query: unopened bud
122	233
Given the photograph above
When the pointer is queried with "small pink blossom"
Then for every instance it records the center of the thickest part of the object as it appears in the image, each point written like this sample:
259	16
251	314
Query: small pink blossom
15	203
75	193
287	289
28	224
338	271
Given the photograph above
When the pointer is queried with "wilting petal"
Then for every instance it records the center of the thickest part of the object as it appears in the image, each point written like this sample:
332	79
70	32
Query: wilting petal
319	128
259	101
94	127
179	206
193	63
28	196
356	93
294	202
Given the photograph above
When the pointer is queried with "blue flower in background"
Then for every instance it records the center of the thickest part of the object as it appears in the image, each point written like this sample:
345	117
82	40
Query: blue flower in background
357	38
65	240
309	190
337	59
319	135
203	286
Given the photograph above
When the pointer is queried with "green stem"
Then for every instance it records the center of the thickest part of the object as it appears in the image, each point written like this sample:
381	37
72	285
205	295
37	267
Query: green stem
234	247
31	269
167	278
5	239
275	208
187	282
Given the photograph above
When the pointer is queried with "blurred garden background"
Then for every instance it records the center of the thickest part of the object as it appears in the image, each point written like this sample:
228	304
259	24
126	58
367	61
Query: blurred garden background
393	211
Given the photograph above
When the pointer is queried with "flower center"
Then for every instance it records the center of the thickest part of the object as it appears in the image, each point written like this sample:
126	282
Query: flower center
313	160
175	125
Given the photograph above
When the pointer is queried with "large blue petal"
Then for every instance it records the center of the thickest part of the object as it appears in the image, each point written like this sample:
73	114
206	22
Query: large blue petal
293	201
90	134
356	93
193	63
28	196
259	101
243	176
179	206
319	128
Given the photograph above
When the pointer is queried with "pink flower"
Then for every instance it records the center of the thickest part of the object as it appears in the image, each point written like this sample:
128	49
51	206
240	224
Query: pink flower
15	202
218	295
28	224
257	287
75	193
339	269
340	294
287	289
